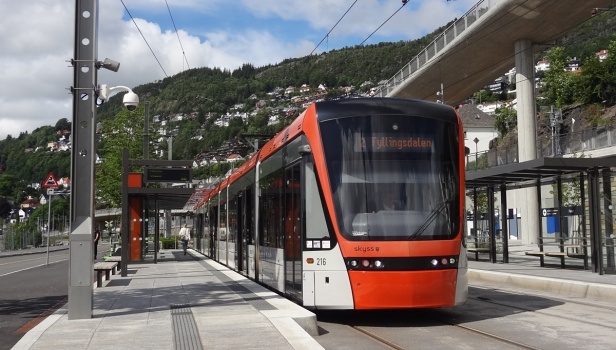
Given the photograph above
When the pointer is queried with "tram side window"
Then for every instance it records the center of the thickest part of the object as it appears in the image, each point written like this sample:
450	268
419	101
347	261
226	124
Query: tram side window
271	210
232	229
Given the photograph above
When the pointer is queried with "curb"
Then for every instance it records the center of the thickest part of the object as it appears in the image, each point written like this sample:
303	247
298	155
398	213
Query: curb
573	289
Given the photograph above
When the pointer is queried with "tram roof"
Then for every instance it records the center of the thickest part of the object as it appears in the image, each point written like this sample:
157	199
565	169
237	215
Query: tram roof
526	174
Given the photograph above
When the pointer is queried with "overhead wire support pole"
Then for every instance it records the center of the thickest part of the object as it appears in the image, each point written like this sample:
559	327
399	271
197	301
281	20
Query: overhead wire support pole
80	291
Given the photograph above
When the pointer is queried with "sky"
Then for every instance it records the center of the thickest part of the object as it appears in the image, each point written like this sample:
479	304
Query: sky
37	41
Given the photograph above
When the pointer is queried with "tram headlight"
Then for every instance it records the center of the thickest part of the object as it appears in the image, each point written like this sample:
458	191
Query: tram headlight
353	263
434	262
365	263
452	261
444	261
378	264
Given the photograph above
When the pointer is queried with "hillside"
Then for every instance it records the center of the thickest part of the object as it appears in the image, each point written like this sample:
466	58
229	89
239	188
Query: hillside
192	102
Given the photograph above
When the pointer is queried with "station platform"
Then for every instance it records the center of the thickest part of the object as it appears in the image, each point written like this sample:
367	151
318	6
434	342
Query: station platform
524	273
181	302
191	302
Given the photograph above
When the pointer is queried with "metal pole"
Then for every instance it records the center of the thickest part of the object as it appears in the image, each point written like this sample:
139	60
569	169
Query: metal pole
80	291
167	211
48	226
146	131
476	140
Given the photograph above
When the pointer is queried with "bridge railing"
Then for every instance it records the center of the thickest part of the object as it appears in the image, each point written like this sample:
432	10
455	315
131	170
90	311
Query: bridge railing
577	143
438	44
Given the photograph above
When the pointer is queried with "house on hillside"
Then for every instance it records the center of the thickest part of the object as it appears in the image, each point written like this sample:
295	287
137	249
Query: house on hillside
29	203
542	66
234	158
490	108
478	126
601	55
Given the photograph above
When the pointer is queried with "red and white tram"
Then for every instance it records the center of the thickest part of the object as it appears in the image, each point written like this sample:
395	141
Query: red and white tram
358	204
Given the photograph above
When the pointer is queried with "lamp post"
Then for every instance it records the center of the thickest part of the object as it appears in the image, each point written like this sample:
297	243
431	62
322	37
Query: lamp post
50	193
83	151
441	93
476	141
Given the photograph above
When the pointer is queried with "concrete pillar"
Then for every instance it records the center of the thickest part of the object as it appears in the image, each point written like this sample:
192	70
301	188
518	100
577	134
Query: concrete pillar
525	81
527	132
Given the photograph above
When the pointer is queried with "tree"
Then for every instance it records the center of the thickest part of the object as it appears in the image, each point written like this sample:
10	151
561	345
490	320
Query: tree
124	131
484	96
7	185
506	120
5	207
60	208
63	124
559	84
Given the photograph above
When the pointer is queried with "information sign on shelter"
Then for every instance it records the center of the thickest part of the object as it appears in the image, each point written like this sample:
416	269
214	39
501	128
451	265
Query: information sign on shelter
50	181
168	175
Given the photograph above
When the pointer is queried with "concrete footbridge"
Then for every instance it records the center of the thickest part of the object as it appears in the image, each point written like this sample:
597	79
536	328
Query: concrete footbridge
484	44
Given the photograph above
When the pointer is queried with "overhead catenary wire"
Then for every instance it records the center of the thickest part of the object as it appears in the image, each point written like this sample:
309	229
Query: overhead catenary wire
327	35
144	39
382	24
178	35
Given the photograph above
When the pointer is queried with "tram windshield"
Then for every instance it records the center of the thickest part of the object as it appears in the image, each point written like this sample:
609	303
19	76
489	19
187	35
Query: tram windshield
393	177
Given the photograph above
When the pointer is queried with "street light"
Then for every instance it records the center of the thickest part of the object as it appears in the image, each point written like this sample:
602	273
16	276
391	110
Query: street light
441	93
476	141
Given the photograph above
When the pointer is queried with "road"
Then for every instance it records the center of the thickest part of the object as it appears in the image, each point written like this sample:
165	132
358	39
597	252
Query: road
30	290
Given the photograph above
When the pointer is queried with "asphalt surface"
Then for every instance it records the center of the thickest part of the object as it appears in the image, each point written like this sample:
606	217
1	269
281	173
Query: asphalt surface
31	289
27	297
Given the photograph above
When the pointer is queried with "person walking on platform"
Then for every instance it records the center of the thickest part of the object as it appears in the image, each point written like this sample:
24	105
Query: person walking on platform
185	237
97	237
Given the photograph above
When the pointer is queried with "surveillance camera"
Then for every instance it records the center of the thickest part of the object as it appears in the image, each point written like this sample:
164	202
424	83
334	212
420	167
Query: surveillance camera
130	101
110	64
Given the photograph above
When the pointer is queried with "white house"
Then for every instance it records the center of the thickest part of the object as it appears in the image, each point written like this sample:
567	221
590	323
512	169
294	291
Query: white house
479	129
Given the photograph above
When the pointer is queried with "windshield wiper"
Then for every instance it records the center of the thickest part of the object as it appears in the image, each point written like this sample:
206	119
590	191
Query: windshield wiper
430	219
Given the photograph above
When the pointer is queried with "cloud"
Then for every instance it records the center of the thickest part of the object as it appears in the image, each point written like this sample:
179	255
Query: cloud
38	37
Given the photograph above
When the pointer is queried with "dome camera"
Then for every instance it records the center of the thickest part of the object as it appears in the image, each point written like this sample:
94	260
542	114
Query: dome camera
130	101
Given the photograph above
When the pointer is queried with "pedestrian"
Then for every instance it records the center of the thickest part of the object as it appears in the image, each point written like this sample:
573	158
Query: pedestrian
185	237
97	237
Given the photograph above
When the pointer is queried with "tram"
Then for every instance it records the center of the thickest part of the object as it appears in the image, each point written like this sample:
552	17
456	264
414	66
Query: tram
357	204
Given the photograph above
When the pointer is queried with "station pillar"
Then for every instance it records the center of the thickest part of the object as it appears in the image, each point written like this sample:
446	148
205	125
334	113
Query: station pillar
527	132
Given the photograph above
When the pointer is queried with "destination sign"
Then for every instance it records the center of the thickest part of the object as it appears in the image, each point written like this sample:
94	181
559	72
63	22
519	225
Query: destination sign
168	175
393	143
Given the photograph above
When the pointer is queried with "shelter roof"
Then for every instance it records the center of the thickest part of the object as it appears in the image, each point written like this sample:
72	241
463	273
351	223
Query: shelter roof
526	173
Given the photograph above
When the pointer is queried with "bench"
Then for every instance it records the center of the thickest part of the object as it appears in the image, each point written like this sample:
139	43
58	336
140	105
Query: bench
479	245
106	268
477	251
114	258
565	247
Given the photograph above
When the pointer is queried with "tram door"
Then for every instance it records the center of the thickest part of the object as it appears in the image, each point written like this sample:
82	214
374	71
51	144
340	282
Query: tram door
240	248
246	229
213	230
292	232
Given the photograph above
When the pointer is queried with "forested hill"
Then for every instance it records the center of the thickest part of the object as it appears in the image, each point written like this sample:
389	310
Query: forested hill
216	90
207	93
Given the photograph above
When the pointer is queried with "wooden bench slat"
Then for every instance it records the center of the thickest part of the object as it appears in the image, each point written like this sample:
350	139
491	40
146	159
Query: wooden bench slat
535	253
480	250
